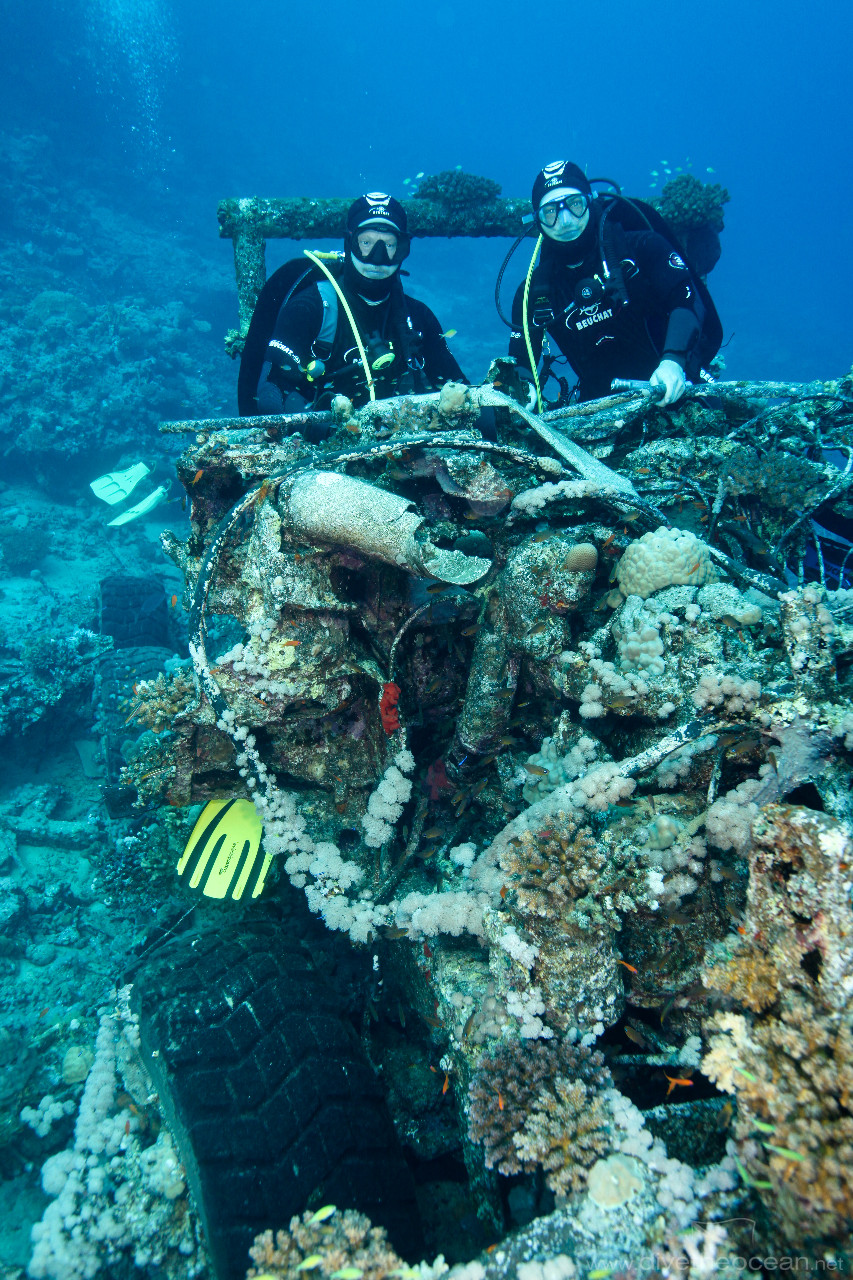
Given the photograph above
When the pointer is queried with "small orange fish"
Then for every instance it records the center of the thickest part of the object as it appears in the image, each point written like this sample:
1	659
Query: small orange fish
446	1084
504	890
500	1101
174	602
674	1080
608	541
629	967
695	567
292	642
198	475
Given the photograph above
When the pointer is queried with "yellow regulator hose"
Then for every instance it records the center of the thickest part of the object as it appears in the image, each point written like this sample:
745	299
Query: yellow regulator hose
526	326
355	333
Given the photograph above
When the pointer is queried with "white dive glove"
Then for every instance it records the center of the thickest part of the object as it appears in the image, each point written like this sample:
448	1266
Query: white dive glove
669	375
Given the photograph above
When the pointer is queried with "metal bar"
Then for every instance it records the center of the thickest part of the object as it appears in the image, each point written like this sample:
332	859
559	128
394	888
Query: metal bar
307	219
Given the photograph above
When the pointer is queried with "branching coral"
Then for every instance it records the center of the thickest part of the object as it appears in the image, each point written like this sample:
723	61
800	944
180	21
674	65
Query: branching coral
341	1241
160	701
567	1128
687	203
791	1063
454	187
548	869
537	1103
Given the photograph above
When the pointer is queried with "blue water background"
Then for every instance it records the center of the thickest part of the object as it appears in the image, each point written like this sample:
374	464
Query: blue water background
162	107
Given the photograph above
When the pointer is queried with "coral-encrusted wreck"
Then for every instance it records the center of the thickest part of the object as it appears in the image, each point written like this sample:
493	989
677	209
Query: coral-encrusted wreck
617	803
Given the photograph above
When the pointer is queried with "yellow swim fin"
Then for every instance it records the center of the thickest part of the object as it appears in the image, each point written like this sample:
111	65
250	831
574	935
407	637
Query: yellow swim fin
223	857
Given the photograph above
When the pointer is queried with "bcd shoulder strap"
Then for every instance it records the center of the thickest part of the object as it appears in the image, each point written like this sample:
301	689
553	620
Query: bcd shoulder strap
324	341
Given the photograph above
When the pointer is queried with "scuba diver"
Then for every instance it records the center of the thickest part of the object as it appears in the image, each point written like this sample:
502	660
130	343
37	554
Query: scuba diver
613	291
341	324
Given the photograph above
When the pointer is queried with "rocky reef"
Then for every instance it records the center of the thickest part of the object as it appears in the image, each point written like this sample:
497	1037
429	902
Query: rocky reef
557	725
104	333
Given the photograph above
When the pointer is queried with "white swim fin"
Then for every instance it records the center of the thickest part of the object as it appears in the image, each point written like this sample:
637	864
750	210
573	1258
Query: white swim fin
115	486
142	508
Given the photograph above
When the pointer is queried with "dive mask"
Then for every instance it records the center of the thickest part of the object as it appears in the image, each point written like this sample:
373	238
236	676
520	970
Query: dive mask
577	206
379	254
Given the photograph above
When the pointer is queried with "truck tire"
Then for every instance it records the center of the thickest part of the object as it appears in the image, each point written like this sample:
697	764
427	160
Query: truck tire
134	612
269	1097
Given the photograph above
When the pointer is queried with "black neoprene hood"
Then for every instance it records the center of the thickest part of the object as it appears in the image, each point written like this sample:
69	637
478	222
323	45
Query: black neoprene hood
377	209
562	173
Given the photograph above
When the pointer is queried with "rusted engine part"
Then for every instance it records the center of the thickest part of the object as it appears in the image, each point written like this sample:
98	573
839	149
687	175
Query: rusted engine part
368	520
314	520
325	506
309	655
528	615
454	407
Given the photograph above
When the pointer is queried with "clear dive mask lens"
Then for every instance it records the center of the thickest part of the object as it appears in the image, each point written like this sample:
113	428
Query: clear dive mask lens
379	253
576	205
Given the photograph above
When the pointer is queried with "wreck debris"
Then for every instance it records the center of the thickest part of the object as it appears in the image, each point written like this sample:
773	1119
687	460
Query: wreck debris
473	643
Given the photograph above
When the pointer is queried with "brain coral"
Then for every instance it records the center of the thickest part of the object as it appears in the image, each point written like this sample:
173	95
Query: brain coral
665	558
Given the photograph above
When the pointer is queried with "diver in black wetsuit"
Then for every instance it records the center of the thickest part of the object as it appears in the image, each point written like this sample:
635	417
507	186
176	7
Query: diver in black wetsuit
642	321
313	352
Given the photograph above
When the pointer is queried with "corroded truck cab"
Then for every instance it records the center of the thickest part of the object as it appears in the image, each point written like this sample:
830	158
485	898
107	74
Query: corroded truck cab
518	710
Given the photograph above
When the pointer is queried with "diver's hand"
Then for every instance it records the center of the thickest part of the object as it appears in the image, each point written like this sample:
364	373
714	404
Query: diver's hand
669	375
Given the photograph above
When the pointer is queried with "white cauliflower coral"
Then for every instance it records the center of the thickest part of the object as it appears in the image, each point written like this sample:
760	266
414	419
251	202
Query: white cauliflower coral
600	788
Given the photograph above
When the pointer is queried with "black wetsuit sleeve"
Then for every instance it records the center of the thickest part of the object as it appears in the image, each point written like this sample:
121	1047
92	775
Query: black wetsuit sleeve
440	364
675	291
296	328
517	345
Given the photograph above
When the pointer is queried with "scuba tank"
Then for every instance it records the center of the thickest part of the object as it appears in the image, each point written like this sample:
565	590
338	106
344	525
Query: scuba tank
290	278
